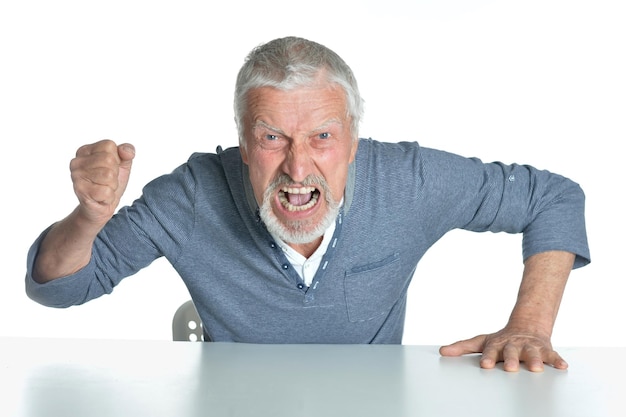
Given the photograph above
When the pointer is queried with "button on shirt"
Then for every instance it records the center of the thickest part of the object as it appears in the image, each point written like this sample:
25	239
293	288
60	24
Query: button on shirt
307	268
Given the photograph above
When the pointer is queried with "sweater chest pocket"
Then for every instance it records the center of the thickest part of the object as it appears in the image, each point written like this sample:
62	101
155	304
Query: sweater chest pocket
371	290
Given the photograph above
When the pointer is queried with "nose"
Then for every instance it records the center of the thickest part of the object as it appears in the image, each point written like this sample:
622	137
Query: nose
298	163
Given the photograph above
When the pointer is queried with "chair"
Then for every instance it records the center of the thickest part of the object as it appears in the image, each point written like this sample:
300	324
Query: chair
186	324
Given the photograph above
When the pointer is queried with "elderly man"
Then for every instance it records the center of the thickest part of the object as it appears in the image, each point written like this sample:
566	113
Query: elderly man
305	233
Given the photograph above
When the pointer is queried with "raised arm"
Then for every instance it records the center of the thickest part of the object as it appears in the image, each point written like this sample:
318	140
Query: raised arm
99	173
526	337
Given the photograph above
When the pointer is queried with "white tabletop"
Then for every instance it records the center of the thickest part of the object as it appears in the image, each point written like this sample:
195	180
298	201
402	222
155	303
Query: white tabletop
60	377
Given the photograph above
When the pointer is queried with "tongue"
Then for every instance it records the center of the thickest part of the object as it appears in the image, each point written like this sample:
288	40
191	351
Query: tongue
299	199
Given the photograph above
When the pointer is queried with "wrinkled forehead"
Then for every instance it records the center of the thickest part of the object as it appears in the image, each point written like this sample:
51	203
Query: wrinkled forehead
309	107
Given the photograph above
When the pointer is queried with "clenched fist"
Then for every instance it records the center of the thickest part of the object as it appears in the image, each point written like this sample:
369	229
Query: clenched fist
100	173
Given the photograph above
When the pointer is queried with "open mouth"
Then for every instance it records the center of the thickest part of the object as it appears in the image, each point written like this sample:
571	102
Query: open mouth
298	198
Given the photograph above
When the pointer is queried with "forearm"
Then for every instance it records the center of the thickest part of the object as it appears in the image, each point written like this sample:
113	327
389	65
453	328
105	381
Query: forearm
66	248
526	337
543	283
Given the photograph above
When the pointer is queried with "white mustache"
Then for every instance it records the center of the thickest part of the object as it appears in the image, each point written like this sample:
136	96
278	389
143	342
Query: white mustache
309	181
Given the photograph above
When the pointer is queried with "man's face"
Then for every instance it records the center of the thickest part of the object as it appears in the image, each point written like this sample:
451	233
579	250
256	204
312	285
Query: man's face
298	146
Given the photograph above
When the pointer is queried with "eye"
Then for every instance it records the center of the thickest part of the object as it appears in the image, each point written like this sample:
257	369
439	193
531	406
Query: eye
271	137
324	135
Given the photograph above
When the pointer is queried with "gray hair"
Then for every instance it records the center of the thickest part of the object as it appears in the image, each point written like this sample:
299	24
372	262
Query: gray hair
289	63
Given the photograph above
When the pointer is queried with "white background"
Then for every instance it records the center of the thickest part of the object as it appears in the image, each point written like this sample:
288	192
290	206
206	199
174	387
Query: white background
536	81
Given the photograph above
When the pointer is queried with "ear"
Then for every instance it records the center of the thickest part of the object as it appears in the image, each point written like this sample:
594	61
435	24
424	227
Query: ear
355	146
244	153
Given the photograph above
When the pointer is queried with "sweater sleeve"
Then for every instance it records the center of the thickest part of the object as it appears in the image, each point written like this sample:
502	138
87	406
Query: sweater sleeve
547	208
155	225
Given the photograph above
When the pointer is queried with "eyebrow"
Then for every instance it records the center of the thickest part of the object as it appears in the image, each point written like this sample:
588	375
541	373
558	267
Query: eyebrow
261	123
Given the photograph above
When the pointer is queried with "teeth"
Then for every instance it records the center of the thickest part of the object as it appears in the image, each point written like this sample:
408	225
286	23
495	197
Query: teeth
290	207
299	190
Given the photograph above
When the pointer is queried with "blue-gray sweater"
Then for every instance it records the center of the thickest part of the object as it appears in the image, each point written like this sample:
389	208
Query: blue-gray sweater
400	199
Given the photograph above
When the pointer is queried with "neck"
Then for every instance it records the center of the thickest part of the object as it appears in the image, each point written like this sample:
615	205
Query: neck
307	249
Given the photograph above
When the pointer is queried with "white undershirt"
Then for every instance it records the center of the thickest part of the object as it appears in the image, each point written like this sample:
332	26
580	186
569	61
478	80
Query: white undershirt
307	268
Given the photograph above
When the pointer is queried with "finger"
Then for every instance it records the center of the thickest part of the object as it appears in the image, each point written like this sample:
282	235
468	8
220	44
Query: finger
126	153
511	358
105	145
464	347
97	163
103	163
555	360
490	356
103	172
531	356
